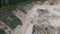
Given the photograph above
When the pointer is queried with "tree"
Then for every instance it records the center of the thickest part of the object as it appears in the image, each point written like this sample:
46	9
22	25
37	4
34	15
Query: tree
6	2
2	3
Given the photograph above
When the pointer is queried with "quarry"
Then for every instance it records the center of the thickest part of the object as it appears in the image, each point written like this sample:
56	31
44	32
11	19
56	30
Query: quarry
38	18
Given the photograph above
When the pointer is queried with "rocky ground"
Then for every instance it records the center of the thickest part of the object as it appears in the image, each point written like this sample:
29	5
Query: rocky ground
44	16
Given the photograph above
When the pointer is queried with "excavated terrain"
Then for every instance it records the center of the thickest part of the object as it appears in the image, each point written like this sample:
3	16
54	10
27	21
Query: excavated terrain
38	19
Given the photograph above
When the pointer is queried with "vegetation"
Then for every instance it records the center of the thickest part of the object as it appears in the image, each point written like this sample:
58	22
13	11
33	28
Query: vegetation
9	19
35	29
2	31
11	7
12	4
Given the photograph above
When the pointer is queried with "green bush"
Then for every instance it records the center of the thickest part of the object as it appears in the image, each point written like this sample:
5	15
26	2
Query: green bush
11	23
2	31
